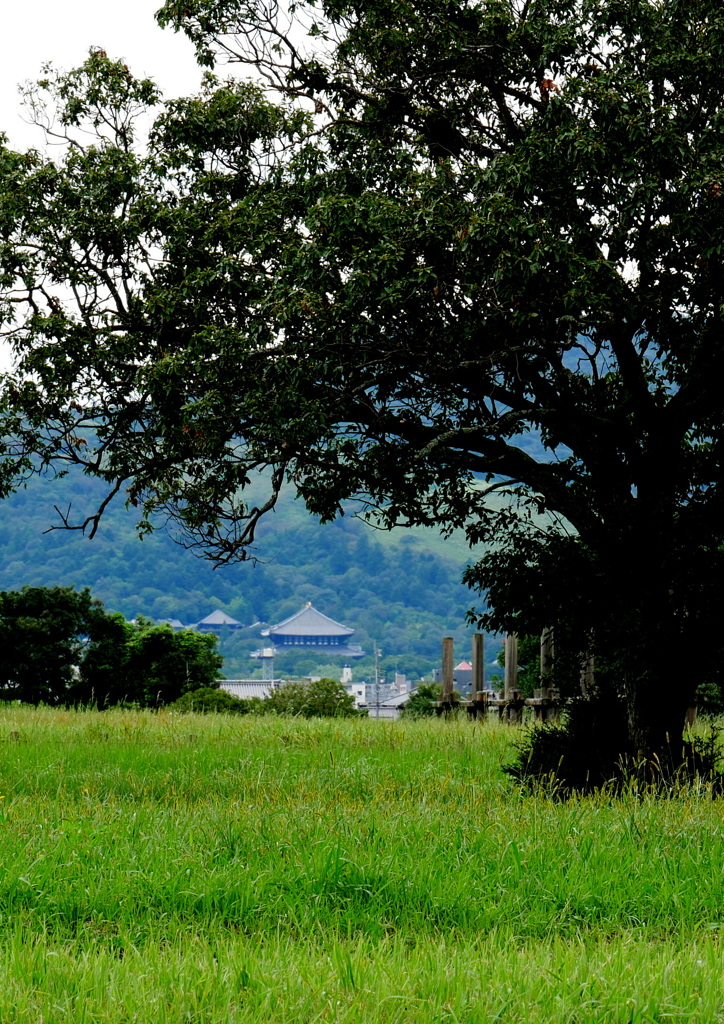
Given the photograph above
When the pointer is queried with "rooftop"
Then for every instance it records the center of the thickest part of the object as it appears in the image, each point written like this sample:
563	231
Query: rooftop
308	622
219	618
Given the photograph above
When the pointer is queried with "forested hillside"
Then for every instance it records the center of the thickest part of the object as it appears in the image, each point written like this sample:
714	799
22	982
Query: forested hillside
401	589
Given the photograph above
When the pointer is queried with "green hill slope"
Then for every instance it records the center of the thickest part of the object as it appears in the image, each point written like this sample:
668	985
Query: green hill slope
401	590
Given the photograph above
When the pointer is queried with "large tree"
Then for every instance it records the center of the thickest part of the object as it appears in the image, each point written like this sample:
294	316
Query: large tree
464	247
145	664
45	633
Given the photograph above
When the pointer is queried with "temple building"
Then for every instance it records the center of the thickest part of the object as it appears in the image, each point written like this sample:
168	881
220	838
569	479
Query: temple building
310	628
217	620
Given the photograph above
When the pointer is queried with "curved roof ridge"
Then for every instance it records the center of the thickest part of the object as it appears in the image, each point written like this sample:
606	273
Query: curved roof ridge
218	618
309	621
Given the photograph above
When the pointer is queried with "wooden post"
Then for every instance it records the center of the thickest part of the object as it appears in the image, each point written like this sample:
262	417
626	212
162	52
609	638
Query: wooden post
447	669
477	683
546	657
511	665
547	654
515	708
587	675
692	712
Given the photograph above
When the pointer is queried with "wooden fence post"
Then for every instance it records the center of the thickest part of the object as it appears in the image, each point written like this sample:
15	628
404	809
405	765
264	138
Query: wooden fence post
588	678
547	655
511	676
477	686
515	707
447	669
511	665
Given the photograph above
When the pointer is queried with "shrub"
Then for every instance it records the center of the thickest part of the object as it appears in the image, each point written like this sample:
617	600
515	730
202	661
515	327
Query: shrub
583	752
422	701
323	698
210	700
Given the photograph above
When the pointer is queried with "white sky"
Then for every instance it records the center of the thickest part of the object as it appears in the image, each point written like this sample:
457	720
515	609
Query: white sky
34	32
62	31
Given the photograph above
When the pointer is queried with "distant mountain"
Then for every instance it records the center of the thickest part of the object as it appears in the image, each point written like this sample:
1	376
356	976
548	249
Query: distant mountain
401	590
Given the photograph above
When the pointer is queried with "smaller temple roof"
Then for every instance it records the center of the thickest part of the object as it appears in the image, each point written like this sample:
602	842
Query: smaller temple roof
245	688
464	666
308	622
218	618
398	700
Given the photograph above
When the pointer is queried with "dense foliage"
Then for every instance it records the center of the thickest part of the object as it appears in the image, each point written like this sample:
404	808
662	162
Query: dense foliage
320	698
45	634
59	646
161	664
213	700
460	226
422	701
582	752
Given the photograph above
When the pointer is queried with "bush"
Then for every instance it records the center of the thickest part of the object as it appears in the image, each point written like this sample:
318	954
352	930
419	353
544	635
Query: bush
709	699
209	700
583	752
422	701
324	698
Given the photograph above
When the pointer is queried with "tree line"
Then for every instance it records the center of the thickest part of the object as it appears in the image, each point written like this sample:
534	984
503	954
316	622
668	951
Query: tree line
59	646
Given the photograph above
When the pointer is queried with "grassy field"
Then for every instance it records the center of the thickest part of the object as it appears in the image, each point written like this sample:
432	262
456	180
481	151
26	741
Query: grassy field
160	868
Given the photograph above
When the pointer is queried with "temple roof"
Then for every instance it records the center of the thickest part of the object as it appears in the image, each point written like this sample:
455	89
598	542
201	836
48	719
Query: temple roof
308	622
217	618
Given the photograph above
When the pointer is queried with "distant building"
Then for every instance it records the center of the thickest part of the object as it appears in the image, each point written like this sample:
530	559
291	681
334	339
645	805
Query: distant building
401	684
216	621
462	676
245	688
310	628
266	658
389	708
358	691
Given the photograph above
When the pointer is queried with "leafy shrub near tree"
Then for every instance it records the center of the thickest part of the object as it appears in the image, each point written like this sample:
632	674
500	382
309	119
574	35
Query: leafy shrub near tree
323	698
422	701
213	700
582	753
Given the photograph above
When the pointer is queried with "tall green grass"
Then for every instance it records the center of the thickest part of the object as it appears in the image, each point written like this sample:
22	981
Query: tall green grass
156	867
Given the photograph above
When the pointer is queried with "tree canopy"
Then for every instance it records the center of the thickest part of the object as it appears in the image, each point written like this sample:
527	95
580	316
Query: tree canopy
460	248
59	646
145	664
44	636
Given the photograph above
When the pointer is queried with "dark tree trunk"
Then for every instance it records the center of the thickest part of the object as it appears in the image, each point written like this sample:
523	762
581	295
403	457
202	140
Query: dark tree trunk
657	693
